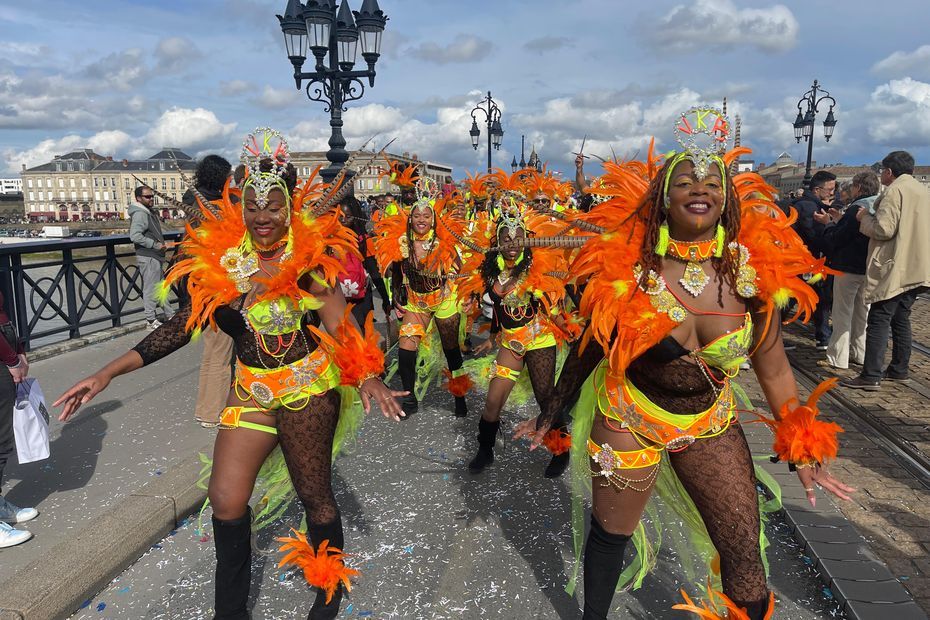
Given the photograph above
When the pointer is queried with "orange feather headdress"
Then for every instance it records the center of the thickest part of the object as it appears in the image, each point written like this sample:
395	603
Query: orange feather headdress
405	176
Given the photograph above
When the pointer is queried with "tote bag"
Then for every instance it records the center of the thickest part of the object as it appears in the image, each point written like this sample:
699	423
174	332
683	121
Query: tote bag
30	422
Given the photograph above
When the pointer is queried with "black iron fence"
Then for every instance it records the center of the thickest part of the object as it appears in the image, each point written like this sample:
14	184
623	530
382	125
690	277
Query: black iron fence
58	290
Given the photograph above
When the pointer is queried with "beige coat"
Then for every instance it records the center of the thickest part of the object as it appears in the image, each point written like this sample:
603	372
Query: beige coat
899	240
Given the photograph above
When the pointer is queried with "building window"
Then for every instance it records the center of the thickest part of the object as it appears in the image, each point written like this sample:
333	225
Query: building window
173	183
106	195
41	195
70	166
84	183
32	195
113	181
164	184
39	181
84	195
61	182
50	183
73	195
96	195
96	182
126	184
61	195
71	183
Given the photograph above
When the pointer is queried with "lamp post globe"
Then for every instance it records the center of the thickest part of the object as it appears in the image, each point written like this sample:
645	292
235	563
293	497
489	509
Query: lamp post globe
333	35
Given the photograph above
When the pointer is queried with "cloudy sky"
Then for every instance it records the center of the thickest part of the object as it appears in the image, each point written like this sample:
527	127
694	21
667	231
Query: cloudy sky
126	77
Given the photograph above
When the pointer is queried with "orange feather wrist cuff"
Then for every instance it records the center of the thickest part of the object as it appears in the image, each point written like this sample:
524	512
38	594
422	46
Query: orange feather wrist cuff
357	355
557	442
800	438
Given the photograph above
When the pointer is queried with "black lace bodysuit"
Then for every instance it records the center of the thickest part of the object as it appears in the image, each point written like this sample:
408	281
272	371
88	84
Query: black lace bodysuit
172	335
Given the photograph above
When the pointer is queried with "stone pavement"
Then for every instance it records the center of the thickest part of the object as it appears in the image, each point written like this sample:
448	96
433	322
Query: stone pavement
891	509
433	542
132	434
494	546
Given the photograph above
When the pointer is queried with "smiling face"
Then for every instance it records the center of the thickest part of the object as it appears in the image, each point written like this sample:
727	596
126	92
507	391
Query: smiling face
541	201
269	225
694	206
421	221
503	238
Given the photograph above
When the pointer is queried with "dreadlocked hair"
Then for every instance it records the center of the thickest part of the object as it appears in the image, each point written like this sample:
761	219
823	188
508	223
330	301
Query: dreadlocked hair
651	213
490	269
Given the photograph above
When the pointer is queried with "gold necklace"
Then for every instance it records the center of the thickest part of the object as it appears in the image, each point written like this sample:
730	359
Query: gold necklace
694	279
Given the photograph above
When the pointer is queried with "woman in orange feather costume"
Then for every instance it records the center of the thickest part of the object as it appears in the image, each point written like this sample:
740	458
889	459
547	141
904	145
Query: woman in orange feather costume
264	271
683	285
417	247
526	288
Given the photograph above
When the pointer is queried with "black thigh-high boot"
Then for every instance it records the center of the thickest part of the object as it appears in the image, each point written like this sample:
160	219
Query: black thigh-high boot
454	361
756	609
603	563
407	367
487	435
232	540
333	533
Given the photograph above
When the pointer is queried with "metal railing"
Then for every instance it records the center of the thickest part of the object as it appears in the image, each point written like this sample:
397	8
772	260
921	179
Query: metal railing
58	290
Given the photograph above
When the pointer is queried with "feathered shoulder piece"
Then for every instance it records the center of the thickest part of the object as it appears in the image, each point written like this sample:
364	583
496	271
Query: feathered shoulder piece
617	296
775	251
219	258
392	245
401	174
476	186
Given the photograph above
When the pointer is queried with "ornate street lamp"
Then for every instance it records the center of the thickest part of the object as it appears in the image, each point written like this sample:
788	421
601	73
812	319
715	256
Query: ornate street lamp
321	29
804	122
492	117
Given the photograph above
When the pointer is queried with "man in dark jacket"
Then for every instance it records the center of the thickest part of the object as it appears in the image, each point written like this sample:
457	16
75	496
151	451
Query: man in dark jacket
847	249
818	197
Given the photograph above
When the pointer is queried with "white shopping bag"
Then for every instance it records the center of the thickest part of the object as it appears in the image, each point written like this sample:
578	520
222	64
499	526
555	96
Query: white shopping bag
30	422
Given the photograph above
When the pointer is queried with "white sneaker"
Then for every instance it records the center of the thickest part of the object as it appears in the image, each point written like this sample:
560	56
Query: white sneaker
11	513
10	537
153	325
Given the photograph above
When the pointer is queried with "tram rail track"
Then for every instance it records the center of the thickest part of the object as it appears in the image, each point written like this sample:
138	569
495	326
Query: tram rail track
903	451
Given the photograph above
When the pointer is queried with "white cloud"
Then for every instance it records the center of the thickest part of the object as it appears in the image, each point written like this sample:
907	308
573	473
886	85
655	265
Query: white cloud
463	48
187	128
719	24
175	52
103	143
547	44
277	98
905	63
232	88
899	114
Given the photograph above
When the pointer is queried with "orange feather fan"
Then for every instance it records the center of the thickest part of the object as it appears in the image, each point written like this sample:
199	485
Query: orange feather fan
718	599
323	567
476	185
402	175
800	437
557	441
358	356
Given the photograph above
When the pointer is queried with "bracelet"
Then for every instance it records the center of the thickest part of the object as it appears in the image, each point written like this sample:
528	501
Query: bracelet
18	364
365	378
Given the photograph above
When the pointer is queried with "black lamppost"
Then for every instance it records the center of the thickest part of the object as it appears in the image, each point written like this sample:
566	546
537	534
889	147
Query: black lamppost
492	117
324	30
804	123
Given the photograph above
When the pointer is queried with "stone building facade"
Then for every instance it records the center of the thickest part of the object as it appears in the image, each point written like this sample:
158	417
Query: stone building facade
82	185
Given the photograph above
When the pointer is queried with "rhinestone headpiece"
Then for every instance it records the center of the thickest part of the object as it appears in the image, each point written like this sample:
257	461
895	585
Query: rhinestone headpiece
703	133
511	216
265	144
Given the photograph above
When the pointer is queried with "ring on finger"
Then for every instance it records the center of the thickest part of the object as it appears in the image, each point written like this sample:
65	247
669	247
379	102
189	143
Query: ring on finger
810	489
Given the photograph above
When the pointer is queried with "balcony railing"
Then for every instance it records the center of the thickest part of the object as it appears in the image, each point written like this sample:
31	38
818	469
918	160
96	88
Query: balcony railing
58	290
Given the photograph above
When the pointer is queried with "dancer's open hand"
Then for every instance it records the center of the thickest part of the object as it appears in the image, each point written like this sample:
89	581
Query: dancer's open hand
527	429
374	390
81	393
818	476
484	347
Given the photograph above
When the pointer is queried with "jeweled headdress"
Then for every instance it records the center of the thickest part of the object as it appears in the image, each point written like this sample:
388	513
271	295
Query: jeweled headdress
266	144
703	134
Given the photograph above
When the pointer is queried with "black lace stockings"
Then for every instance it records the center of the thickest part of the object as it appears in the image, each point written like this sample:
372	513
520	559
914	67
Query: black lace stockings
306	438
718	475
540	364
